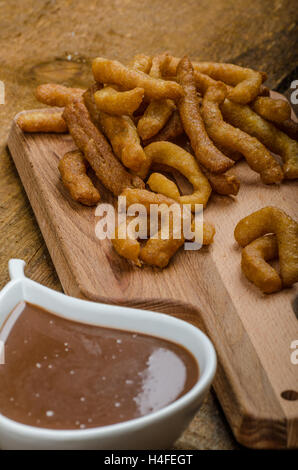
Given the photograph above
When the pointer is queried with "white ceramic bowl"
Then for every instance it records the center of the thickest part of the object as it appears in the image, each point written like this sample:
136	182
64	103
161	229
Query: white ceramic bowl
157	430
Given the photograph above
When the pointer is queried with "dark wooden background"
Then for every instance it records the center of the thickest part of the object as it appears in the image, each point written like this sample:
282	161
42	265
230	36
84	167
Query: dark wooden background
55	40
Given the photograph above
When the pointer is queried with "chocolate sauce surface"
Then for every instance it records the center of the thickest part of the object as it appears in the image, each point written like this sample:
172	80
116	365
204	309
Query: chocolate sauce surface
62	374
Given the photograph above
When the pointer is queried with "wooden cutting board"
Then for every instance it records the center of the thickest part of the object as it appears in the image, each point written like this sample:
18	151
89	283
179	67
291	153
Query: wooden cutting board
252	332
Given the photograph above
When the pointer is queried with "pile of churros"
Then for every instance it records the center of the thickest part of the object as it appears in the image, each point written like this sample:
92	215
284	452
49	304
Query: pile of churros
126	127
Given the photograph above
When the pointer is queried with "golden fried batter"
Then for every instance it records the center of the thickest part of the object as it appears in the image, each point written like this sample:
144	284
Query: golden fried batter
289	127
272	110
246	82
254	266
275	140
112	71
74	176
118	103
205	151
40	121
225	183
123	136
257	156
141	62
273	220
97	151
167	153
53	94
158	111
171	130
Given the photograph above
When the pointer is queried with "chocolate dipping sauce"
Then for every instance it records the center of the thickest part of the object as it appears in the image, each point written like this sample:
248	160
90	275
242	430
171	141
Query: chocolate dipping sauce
62	374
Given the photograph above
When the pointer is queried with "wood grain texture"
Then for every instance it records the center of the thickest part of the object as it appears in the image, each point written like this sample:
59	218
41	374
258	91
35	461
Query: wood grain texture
50	41
252	332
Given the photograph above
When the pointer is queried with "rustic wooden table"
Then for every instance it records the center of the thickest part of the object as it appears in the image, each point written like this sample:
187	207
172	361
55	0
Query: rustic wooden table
55	40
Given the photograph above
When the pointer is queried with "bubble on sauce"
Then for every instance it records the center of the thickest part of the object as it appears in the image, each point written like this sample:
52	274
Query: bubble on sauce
50	366
119	341
117	404
72	372
45	357
11	399
25	341
129	382
38	365
37	395
50	413
82	399
82	426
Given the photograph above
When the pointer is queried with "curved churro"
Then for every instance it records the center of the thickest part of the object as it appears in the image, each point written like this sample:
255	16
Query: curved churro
118	103
160	183
257	156
273	220
158	111
97	151
112	71
171	130
275	140
123	136
74	176
53	94
272	110
246	82
254	266
224	184
141	62
205	151
289	127
40	121
157	251
121	132
174	156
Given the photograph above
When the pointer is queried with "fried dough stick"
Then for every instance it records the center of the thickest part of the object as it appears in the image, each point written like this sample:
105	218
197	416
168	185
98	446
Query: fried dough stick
97	151
158	111
53	94
276	141
116	102
246	82
171	130
40	121
254	266
74	176
273	220
112	71
289	127
257	156
167	153
122	134
224	184
205	151
141	62
157	251
272	110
